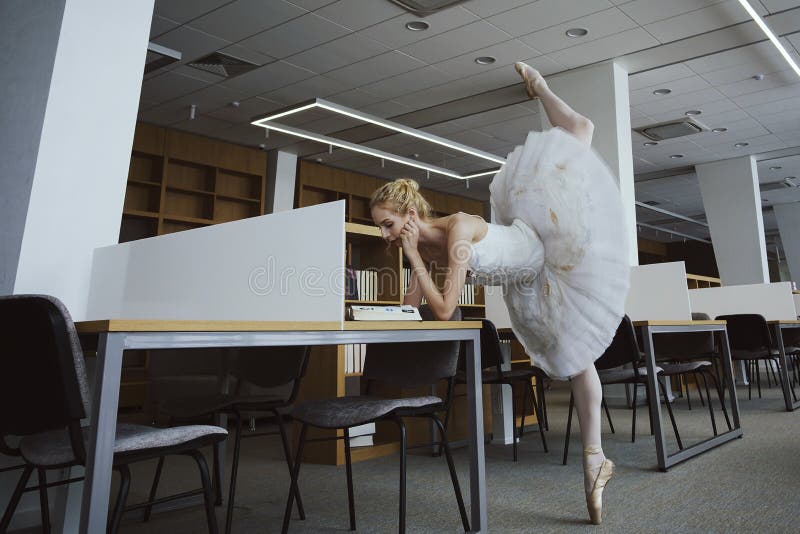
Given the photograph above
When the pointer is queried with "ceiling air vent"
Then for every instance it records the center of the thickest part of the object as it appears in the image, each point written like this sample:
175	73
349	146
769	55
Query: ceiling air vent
223	65
671	129
425	7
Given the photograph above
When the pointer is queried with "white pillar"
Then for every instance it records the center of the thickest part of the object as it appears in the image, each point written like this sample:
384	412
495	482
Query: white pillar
788	216
600	92
70	97
732	202
281	177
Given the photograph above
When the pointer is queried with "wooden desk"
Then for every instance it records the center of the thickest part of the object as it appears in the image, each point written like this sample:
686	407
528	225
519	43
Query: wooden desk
118	335
789	394
650	328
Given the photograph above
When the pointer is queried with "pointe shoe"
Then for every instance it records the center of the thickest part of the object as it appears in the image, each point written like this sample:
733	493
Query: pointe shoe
533	79
594	499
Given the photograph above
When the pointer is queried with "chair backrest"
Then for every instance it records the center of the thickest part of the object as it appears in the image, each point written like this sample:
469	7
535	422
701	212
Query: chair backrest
623	348
747	331
491	355
684	345
43	383
272	367
411	365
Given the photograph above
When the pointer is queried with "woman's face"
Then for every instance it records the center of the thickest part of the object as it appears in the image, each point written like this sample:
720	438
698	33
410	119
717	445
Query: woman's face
390	222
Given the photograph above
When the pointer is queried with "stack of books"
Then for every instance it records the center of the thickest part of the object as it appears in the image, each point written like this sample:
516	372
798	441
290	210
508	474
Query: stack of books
361	435
361	284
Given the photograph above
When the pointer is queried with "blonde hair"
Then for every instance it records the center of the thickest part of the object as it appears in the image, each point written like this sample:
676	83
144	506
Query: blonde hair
401	195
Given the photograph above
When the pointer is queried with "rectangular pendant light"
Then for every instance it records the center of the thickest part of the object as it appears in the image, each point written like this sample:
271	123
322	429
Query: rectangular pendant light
269	123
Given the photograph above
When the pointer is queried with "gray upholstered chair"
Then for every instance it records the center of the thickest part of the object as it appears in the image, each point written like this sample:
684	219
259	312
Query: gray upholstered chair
621	364
267	380
691	353
45	394
404	365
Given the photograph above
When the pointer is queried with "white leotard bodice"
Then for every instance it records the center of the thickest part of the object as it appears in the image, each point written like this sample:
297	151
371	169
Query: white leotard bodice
506	254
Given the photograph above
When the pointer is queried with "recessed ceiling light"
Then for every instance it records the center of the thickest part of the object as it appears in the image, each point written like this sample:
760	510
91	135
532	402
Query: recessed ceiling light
417	25
719	130
649	143
485	60
775	168
676	156
577	32
741	145
661	92
758	77
693	112
790	178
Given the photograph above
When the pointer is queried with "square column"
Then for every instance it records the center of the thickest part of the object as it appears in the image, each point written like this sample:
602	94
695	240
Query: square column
600	93
788	216
732	202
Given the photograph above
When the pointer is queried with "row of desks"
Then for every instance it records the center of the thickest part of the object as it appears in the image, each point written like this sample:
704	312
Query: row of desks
115	336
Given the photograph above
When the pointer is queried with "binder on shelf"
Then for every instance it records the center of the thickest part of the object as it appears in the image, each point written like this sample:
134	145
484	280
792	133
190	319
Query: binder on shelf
361	435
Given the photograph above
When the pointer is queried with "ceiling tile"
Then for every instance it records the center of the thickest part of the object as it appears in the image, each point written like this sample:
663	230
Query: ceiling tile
295	36
244	18
659	76
605	48
455	42
355	98
358	14
648	11
247	110
506	53
751	85
744	71
311	5
769	95
209	98
202	125
779	5
394	33
191	43
267	78
161	25
386	109
545	13
338	53
168	86
487	8
644	96
165	114
376	68
408	82
183	11
600	24
717	16
251	56
683	102
754	53
316	87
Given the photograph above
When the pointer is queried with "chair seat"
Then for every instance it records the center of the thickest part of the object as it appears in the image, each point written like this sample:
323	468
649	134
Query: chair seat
610	376
684	367
196	406
53	448
761	354
343	412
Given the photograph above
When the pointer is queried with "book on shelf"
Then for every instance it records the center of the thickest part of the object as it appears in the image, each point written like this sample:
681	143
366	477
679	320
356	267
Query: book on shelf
384	313
361	284
361	435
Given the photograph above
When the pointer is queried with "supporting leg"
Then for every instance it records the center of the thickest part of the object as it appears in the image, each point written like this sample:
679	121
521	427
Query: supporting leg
287	514
124	486
287	452
153	488
453	476
15	497
208	491
351	506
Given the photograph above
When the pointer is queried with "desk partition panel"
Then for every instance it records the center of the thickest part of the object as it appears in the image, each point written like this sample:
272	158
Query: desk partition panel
773	301
658	293
287	266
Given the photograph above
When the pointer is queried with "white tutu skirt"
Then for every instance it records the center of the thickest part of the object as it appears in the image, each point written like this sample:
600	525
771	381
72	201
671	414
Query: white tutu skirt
567	315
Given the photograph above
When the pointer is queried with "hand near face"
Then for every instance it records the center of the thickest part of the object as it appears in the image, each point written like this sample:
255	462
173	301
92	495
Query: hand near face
409	236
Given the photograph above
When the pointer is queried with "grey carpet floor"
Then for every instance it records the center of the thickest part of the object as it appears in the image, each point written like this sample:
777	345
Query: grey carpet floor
748	485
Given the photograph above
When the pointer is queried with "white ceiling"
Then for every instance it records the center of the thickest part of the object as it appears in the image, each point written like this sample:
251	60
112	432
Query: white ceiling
358	53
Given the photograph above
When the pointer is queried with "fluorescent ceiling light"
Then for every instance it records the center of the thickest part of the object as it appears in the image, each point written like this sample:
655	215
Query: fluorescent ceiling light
297	132
772	37
268	122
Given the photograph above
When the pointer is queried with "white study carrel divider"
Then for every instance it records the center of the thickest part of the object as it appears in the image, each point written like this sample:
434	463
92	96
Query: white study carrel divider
658	292
286	266
773	301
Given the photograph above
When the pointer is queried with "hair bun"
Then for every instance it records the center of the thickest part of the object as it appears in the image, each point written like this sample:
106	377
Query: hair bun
409	182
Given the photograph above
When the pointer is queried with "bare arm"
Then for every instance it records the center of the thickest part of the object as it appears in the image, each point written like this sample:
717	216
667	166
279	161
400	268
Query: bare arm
443	303
413	294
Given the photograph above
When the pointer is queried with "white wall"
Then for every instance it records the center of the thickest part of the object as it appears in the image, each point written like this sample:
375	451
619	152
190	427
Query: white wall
81	166
288	266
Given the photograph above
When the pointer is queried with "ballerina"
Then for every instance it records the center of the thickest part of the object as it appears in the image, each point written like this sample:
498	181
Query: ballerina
557	251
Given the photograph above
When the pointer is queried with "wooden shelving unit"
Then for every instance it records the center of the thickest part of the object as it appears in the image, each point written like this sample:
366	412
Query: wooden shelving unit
179	181
366	250
696	281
